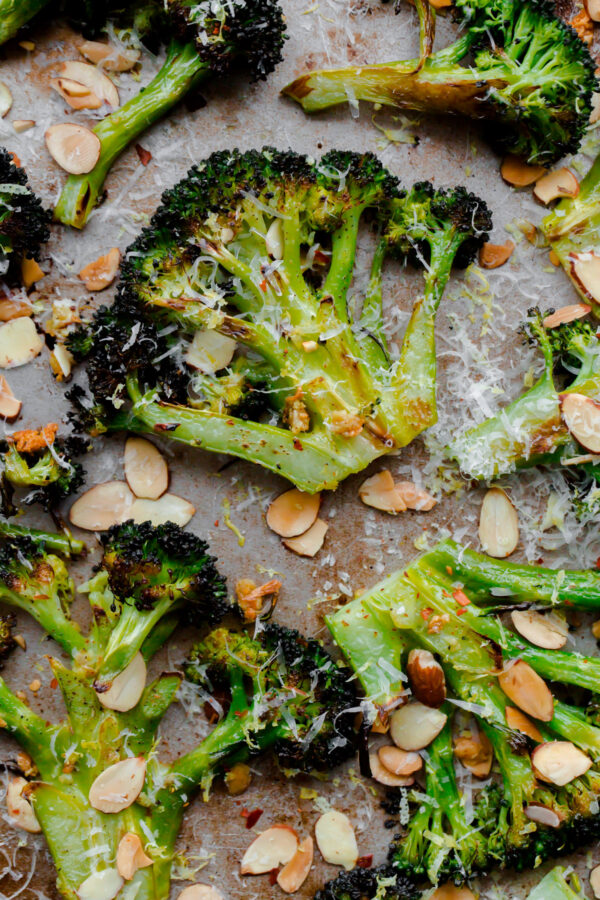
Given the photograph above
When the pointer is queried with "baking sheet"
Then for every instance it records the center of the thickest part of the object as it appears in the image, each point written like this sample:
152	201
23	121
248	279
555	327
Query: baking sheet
476	342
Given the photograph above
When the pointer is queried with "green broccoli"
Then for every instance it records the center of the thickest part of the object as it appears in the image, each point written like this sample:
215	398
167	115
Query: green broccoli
7	642
258	249
514	65
23	221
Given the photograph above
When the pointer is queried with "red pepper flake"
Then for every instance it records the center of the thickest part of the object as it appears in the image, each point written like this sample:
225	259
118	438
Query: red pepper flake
216	523
251	816
426	613
144	155
14	158
449	570
461	598
273	876
298	444
263	285
54	684
460	612
598	563
365	862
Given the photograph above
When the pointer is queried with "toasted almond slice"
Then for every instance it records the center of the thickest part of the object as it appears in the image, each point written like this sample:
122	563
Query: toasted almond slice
336	839
527	690
559	762
384	776
100	273
544	815
567	314
131	856
492	256
146	470
475	753
6	99
102	506
127	688
592	7
518	721
293	513
14	309
294	874
414	726
200	892
30	272
585	271
414	497
61	362
544	630
76	149
168	508
119	786
78	96
103	885
210	351
581	415
400	762
111	58
519	173
380	492
274	239
554	185
498	524
426	676
93	79
19	343
274	847
309	543
451	892
10	407
595	881
20	811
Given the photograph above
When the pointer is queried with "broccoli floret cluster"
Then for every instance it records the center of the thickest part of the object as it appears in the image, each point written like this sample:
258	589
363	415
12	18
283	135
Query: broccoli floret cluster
24	223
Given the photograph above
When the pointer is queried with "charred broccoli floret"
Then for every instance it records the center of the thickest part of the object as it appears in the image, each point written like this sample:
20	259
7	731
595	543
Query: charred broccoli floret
23	220
7	642
514	64
382	883
253	254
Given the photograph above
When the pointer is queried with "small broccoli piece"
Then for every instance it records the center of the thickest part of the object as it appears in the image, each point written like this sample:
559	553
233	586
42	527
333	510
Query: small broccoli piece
14	14
204	39
515	65
154	572
23	221
245	231
382	883
7	642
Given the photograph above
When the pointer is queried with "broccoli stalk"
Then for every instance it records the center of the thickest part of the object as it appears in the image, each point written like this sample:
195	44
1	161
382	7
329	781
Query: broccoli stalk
64	543
555	886
23	221
208	39
531	78
16	13
236	253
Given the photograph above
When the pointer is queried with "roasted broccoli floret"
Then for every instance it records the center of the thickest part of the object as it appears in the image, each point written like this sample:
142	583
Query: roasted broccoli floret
255	253
23	220
514	64
382	883
7	642
204	39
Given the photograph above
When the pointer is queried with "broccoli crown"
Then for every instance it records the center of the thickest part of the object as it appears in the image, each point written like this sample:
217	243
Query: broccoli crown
7	642
300	700
425	218
24	223
381	883
149	564
26	569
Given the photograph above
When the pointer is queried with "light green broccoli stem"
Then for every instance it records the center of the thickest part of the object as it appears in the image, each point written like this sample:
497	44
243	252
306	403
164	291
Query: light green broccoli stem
64	544
16	13
48	611
554	886
40	740
372	340
181	71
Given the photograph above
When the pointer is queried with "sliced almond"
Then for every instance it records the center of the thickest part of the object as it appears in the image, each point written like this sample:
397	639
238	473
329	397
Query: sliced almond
544	630
581	415
273	848
100	273
210	351
451	892
294	874
527	690
14	309
146	470
127	688
19	809
380	492
168	508
426	676
30	272
475	753
293	513
567	314
274	239
19	343
560	762
492	256
78	96
131	856
498	524
336	839
400	762
585	271
543	815
102	506
309	543
200	892
554	185
10	407
518	721
414	726
112	58
6	99
414	497
93	79
61	362
384	776
595	881
103	885
76	149
519	173
119	786
592	7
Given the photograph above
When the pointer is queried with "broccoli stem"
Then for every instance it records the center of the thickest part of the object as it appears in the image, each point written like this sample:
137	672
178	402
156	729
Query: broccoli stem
373	344
48	612
180	72
64	544
16	13
31	731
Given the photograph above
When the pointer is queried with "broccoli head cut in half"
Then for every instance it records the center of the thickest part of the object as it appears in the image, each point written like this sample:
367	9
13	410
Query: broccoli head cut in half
233	330
514	64
23	221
